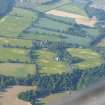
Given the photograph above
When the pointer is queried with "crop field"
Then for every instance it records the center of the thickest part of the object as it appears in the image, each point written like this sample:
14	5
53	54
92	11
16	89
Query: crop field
17	70
14	54
72	8
15	42
49	64
14	23
90	58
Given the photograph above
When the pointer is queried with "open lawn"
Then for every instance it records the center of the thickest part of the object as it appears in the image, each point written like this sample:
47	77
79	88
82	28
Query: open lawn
49	64
18	20
17	70
14	54
90	58
15	42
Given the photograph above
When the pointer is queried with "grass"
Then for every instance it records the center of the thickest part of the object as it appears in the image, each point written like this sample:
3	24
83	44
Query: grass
72	8
17	70
93	32
42	34
91	58
51	24
49	6
40	37
13	54
18	20
15	42
48	63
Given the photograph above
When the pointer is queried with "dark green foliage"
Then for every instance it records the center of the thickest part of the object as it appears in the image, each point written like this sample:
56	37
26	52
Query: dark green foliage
6	6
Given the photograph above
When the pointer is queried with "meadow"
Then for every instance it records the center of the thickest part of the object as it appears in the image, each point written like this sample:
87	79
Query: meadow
15	42
50	24
49	64
90	58
14	55
17	70
72	8
16	22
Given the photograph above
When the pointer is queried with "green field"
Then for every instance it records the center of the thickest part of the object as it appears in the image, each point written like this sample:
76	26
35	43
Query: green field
18	20
42	34
90	58
15	42
72	8
14	54
93	32
41	37
49	64
54	25
17	70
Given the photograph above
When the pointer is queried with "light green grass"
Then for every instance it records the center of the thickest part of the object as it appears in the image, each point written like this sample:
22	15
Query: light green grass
17	70
18	20
48	63
14	54
91	58
15	42
72	8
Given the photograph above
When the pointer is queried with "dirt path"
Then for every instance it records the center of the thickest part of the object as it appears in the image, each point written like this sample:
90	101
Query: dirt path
10	96
78	18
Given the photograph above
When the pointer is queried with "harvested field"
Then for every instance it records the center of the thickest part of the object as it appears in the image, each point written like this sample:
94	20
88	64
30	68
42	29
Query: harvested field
78	18
10	96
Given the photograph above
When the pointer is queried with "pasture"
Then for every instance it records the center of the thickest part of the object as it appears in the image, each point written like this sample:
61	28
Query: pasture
51	24
15	42
90	58
16	22
14	55
49	64
17	70
72	8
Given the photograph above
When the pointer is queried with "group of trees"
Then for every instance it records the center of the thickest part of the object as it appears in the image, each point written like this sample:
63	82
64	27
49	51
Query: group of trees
50	84
6	6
